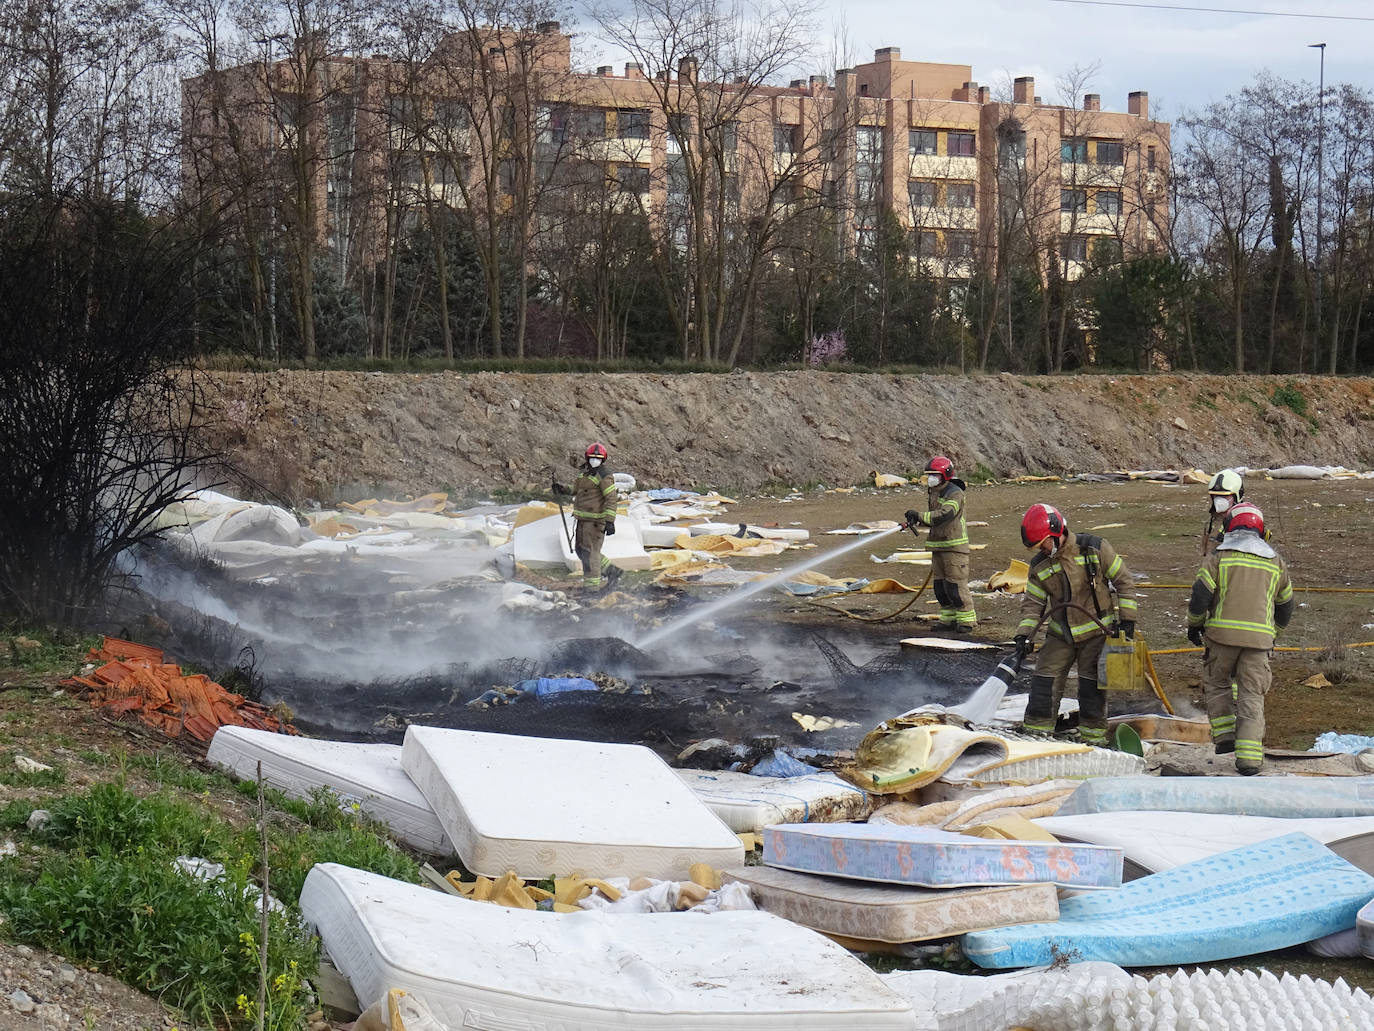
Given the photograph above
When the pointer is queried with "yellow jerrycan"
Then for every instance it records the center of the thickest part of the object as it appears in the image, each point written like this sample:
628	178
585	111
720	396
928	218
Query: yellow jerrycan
1123	663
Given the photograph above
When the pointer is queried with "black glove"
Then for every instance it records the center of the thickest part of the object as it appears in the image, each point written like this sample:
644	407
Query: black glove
610	527
1128	629
1022	644
559	488
913	519
1195	635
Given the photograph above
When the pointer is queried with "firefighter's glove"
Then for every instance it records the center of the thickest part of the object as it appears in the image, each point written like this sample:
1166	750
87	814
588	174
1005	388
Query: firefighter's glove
1195	635
1023	646
1128	629
913	520
560	489
610	527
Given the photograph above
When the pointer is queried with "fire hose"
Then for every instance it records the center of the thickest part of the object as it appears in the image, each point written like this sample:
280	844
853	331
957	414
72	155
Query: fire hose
891	615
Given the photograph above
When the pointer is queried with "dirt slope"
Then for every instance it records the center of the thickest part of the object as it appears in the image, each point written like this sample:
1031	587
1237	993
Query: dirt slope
332	436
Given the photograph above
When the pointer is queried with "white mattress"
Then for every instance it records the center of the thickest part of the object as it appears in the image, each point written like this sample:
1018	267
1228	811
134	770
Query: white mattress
369	773
488	967
546	807
749	803
1156	840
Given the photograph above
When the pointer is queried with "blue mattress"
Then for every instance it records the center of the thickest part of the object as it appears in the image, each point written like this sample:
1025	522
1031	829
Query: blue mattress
933	858
1272	895
1290	797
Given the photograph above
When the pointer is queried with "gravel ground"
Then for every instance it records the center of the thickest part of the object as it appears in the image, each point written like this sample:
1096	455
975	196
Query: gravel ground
39	990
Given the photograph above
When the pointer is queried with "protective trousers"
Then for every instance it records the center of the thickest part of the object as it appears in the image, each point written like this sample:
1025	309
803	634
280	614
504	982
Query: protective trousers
949	574
590	535
1237	717
1056	658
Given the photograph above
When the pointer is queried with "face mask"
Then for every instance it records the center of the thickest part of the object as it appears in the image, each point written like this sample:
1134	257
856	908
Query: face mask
1220	504
932	481
595	463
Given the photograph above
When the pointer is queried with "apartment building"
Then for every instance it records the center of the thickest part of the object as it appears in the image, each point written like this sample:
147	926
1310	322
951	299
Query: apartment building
500	124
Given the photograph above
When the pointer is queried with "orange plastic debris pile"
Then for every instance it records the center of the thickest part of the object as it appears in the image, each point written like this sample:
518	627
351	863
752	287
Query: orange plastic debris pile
134	678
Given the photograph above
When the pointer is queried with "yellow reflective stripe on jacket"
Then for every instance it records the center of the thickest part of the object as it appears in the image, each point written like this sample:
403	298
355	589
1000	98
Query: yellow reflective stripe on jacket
1036	591
950	542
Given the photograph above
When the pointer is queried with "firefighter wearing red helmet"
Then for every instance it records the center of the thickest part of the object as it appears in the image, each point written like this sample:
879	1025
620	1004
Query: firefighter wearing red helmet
1241	598
1080	587
948	544
594	506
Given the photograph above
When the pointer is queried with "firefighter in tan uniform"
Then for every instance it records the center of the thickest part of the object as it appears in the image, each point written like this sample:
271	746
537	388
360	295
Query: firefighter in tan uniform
1241	598
948	544
594	500
1078	584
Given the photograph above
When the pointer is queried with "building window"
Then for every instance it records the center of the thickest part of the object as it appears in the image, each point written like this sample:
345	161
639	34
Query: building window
784	140
1109	202
923	143
926	243
587	123
1011	147
632	124
921	193
1073	151
959	144
958	245
868	150
959	195
1073	201
1150	158
1110	152
729	137
1074	248
632	179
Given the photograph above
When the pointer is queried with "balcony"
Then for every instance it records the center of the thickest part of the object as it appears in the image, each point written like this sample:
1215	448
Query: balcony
1085	224
933	166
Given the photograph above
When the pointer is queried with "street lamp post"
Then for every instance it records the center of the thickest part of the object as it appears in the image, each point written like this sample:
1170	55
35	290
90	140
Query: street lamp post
1321	120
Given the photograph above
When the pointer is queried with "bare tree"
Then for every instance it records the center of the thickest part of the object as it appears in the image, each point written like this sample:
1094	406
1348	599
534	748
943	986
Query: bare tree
709	62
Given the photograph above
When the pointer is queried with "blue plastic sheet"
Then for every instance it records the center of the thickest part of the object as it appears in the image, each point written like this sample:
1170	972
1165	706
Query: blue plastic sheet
555	685
1333	742
780	764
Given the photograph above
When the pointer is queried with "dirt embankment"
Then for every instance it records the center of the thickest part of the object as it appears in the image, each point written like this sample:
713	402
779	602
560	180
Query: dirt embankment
333	436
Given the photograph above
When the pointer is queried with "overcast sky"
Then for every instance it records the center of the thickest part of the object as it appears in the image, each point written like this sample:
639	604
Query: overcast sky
1182	58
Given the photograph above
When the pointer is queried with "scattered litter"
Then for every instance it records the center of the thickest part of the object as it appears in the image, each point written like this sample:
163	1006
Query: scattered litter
816	724
26	765
888	480
946	644
877	526
1011	580
1351	743
915	558
1317	680
1178	421
1107	526
134	678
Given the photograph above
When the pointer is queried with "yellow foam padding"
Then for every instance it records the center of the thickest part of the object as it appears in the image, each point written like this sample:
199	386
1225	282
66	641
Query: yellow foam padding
563	907
375	507
888	480
537	893
705	875
749	840
1010	828
533	511
568	890
909	556
812	724
1125	664
455	878
714	498
1036	479
904	754
1012	580
613	894
720	544
886	585
683	574
666	558
1166	728
509	890
819	579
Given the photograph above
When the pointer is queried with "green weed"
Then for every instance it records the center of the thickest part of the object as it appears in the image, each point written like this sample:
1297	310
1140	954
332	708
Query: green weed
982	474
1290	397
43	651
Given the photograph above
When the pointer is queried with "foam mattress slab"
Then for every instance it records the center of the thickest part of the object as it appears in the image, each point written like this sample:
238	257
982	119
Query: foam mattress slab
1285	797
551	808
888	913
1155	841
933	858
482	966
1254	899
369	773
748	803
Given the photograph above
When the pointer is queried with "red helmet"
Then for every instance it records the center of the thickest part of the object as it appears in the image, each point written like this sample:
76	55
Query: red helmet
1041	521
595	450
941	467
1244	516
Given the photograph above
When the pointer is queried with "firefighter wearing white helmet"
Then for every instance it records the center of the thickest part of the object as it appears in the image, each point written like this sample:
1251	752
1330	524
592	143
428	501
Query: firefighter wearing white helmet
1241	598
1224	492
594	506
